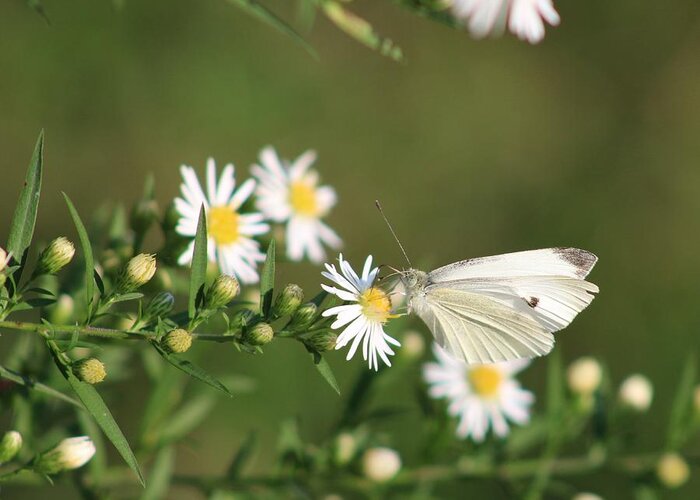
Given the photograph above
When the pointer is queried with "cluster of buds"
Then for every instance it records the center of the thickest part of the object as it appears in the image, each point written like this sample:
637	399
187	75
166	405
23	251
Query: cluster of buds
55	256
10	444
71	453
137	272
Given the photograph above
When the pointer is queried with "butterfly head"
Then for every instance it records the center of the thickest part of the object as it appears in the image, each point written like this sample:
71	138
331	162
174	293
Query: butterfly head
414	280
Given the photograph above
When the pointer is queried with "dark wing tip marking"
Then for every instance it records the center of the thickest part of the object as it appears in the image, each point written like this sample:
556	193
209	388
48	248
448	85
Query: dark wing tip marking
532	302
583	260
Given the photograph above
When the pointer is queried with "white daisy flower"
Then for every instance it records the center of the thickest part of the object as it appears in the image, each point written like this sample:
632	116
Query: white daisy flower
365	317
289	193
481	396
230	233
525	18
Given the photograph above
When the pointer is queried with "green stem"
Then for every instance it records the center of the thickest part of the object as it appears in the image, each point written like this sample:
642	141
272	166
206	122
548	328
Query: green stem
107	333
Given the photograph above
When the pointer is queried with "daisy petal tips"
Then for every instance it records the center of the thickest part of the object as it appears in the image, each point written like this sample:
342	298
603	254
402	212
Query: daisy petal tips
289	193
230	232
362	319
480	396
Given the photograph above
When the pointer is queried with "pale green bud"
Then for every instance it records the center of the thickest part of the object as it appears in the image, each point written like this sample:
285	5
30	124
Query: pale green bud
10	444
288	301
322	341
69	454
304	317
672	470
177	341
62	311
412	346
90	370
222	291
259	334
55	257
584	376
242	319
137	272
345	448
636	392
143	214
381	464
160	305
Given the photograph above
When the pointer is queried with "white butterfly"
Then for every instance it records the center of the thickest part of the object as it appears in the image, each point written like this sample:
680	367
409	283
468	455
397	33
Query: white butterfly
502	307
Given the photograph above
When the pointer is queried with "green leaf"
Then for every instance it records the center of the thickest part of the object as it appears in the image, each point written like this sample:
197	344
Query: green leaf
98	409
87	254
555	387
32	384
24	218
262	13
267	280
127	296
324	369
241	457
681	410
192	370
199	263
161	474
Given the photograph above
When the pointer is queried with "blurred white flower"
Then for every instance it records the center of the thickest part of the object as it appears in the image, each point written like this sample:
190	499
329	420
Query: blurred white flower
4	259
365	317
584	376
230	233
481	396
381	464
525	18
290	194
586	496
70	453
636	392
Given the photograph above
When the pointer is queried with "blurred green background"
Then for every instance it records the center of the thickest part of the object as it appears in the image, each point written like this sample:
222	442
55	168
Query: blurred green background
475	148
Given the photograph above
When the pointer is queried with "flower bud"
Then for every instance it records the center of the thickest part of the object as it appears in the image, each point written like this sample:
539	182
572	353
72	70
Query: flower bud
137	272
672	470
259	334
241	319
584	376
4	259
304	317
345	448
55	257
10	444
222	291
586	496
143	214
160	305
636	392
90	370
69	454
381	464
322	341
412	345
61	312
177	341
288	301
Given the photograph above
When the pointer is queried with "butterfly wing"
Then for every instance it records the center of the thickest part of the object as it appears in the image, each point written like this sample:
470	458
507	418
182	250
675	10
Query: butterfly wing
505	307
479	329
547	285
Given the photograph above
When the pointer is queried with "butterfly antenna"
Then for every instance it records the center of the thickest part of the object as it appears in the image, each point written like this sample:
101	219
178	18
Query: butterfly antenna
379	207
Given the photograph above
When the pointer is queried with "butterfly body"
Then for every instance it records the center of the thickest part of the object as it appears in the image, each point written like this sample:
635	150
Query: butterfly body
502	307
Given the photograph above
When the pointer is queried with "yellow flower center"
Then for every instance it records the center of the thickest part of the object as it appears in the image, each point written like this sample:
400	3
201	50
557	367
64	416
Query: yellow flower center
485	380
223	225
302	196
376	305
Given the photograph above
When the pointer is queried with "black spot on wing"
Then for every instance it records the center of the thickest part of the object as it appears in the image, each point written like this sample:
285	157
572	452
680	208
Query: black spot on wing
583	260
532	302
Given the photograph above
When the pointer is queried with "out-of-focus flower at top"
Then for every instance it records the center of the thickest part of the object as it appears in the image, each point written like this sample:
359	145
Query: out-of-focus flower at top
480	396
4	259
290	194
364	318
230	233
525	18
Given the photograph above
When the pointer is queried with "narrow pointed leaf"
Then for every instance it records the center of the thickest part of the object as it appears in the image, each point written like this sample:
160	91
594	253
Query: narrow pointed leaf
262	13
160	475
681	410
192	370
87	253
32	384
199	263
267	280
324	369
24	218
100	412
241	458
